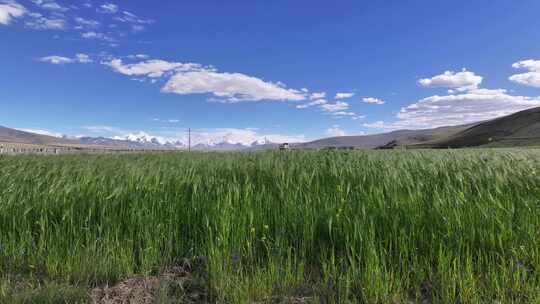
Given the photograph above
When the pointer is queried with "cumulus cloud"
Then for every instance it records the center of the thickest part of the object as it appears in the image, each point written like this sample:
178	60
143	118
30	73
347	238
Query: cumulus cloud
373	100
457	109
343	95
231	86
10	10
338	109
335	131
54	59
150	68
459	81
531	78
312	103
319	95
193	78
335	107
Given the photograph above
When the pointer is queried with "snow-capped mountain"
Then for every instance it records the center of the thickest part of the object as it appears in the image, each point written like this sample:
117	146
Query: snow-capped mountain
144	141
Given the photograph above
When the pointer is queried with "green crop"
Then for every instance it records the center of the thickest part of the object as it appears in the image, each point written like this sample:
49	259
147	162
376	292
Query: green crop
339	227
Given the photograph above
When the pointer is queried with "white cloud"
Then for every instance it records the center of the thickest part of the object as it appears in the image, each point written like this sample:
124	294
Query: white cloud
10	10
344	95
531	78
50	5
42	132
79	58
138	56
56	59
335	107
460	81
108	8
457	109
83	58
373	100
320	95
344	113
39	22
193	78
101	129
530	64
53	6
137	28
312	103
86	23
128	17
377	125
98	36
173	121
150	68
231	86
335	131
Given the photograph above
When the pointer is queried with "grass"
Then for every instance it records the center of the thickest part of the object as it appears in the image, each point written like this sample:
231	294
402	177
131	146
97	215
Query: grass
334	227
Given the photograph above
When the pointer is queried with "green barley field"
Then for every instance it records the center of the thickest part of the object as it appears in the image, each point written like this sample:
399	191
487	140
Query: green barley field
267	227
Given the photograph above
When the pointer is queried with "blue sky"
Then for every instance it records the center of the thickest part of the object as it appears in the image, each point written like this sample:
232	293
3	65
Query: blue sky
246	70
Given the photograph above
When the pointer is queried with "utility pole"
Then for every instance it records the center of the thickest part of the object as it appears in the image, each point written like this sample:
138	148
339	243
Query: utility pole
189	139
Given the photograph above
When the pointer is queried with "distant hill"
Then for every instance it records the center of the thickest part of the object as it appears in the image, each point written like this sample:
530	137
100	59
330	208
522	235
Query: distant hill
22	137
518	129
389	140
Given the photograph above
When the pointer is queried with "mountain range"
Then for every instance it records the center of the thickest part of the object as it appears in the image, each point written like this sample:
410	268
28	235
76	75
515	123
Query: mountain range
134	141
518	129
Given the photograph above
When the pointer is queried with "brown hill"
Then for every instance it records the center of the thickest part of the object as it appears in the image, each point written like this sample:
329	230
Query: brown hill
518	129
8	135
